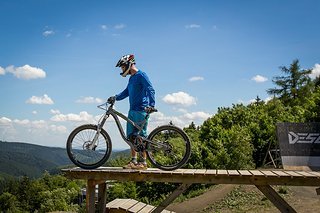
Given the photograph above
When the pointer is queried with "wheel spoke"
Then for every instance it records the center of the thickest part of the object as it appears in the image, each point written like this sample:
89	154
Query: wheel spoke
81	150
170	147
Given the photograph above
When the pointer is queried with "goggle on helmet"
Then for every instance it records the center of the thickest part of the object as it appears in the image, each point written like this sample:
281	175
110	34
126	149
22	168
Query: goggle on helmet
127	61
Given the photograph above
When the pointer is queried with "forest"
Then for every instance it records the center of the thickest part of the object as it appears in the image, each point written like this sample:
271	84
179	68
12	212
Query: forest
236	137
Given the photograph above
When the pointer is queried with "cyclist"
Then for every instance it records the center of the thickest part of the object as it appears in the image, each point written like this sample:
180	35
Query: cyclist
141	95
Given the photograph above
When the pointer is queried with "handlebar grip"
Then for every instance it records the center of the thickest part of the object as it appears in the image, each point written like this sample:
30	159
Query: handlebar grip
150	110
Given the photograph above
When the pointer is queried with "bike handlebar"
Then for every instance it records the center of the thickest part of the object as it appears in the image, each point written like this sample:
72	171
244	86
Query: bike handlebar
104	106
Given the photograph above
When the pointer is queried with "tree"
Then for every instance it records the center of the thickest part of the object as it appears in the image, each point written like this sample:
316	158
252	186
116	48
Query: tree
227	140
294	86
9	203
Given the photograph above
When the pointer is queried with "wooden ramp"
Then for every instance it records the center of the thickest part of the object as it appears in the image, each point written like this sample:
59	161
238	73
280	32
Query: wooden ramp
262	179
130	205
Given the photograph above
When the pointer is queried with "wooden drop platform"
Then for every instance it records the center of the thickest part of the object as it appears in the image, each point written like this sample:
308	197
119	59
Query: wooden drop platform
262	179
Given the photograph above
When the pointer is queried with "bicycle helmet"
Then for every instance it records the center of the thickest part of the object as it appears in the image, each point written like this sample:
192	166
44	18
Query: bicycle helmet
127	61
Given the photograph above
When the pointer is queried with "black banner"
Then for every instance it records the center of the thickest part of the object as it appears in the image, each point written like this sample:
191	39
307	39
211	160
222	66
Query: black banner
299	139
299	144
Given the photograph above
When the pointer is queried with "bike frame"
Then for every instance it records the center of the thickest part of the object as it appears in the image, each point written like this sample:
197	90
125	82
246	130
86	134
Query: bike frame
115	114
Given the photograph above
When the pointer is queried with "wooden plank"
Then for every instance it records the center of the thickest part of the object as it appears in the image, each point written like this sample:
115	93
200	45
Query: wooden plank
222	172
137	207
147	209
315	173
154	170
120	202
128	204
269	173
178	171
211	172
200	172
113	203
189	172
281	173
244	173
256	172
275	198
293	174
306	174
233	172
165	211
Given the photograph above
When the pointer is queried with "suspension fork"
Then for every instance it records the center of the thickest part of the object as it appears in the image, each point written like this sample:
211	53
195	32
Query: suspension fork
93	144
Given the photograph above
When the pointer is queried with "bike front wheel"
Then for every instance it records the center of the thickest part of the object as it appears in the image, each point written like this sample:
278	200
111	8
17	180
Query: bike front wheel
168	147
81	150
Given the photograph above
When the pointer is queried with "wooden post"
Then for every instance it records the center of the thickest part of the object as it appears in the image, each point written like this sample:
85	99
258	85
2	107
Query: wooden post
275	198
90	196
102	198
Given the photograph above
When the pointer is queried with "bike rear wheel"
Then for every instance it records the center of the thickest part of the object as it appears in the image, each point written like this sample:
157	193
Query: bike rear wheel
168	147
82	153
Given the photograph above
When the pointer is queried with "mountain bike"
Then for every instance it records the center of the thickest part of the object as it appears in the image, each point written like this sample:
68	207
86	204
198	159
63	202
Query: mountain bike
167	147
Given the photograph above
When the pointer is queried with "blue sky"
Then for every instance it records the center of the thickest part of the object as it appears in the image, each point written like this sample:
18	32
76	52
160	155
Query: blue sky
57	58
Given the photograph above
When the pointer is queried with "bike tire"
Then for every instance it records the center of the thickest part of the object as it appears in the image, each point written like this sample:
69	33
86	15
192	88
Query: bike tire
175	156
88	158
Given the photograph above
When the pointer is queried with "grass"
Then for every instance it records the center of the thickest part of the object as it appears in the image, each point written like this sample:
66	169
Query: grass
245	199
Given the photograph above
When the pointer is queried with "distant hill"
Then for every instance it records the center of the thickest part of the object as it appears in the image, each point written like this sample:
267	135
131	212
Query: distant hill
19	159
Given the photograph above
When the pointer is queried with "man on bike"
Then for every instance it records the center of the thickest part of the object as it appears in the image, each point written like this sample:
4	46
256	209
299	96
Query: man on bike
141	96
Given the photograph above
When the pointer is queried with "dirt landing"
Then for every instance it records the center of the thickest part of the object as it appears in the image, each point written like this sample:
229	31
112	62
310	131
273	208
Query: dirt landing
302	199
198	203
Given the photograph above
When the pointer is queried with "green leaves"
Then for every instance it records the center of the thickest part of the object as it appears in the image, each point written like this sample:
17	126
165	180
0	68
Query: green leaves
294	86
47	194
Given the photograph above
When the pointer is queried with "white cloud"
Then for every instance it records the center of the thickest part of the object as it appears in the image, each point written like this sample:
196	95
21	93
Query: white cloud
104	27
259	79
196	78
183	120
192	26
59	129
45	99
2	71
268	99
48	33
5	121
89	100
39	124
21	122
315	71
197	116
54	111
119	26
158	119
180	98
26	72
40	132
82	116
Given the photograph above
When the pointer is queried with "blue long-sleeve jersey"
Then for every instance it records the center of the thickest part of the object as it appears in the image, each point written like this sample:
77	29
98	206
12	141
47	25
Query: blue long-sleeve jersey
140	91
